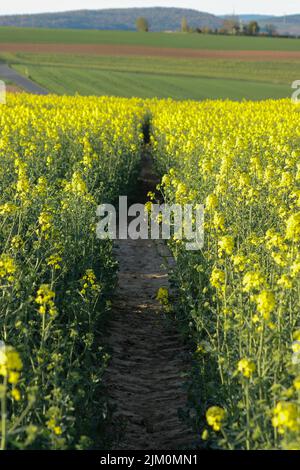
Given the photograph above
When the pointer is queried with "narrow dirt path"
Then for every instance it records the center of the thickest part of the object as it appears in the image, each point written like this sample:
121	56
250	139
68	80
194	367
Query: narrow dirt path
145	380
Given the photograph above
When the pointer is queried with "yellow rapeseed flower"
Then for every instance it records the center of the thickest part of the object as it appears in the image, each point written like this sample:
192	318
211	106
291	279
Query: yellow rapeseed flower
226	245
163	296
16	395
293	227
265	303
253	280
215	417
7	268
286	417
10	364
246	367
45	300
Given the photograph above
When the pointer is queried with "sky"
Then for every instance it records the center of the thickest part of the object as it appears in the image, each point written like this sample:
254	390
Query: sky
272	7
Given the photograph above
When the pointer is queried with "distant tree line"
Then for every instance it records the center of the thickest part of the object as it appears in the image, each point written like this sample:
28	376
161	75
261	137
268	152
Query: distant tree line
231	26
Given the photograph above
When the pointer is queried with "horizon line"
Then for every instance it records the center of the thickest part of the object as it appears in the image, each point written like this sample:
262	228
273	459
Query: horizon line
270	15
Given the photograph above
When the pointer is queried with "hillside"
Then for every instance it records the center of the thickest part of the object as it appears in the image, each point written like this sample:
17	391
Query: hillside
256	17
251	17
285	25
160	19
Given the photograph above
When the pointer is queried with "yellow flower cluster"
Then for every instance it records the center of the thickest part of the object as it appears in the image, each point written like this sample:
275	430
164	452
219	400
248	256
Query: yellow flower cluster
253	280
45	221
45	300
265	303
293	227
217	278
246	367
89	283
60	158
226	245
163	296
10	364
53	426
215	417
286	417
54	261
7	267
63	155
241	161
8	208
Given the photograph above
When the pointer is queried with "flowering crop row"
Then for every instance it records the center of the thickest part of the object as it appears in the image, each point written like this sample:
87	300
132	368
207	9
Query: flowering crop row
60	157
239	296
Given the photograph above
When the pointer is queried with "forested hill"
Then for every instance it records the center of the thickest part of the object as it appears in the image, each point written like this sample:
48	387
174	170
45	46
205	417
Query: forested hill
160	19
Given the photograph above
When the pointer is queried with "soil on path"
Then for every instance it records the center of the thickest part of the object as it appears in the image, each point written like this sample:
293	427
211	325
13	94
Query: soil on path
146	377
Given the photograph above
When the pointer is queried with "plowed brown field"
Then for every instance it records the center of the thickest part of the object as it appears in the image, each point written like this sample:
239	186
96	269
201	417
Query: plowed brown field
120	50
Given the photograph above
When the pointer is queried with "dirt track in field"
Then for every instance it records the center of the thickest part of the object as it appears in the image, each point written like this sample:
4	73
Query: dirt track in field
144	380
125	50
